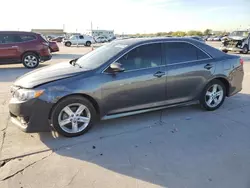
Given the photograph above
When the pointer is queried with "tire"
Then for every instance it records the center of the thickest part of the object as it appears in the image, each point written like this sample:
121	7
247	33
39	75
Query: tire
204	99
73	102
30	60
225	51
245	50
88	43
68	44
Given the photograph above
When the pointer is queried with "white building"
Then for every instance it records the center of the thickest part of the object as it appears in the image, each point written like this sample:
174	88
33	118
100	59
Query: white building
104	33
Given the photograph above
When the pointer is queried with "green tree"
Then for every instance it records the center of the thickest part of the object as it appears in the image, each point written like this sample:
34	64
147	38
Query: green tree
208	32
179	34
194	33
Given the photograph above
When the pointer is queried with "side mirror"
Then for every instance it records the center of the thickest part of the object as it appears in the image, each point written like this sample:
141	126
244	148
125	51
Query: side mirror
116	67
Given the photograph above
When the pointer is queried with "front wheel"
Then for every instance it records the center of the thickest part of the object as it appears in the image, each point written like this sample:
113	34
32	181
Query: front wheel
73	116
245	49
213	95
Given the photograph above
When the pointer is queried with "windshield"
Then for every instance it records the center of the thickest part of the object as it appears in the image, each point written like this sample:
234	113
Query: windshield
239	33
100	55
72	37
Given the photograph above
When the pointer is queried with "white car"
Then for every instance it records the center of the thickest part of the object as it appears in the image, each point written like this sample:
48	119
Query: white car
79	40
101	39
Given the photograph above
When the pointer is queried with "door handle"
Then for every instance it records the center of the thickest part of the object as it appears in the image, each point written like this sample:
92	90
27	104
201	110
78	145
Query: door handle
208	66
159	74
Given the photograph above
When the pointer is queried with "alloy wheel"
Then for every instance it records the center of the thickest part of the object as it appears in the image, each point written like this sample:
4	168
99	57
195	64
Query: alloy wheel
214	95
74	118
31	61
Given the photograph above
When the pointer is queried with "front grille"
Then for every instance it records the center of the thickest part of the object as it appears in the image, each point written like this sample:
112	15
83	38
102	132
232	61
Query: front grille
232	43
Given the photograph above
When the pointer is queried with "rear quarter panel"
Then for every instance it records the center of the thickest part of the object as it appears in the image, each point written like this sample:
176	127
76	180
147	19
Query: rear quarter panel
231	70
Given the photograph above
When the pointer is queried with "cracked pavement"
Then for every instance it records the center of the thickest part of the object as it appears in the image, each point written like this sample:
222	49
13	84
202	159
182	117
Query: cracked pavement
178	147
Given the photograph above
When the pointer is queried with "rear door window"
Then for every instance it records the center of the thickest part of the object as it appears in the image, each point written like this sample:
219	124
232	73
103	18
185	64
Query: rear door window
26	38
179	52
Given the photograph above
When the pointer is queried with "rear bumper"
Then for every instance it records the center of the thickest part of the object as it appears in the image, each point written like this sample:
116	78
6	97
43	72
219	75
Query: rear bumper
54	49
46	58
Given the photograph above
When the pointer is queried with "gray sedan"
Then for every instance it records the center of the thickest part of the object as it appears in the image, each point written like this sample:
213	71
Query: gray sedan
124	77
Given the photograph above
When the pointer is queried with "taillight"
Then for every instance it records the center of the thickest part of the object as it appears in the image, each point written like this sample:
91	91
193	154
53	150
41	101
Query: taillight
241	61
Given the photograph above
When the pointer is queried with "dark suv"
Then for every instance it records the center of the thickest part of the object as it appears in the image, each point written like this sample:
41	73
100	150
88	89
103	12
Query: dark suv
23	47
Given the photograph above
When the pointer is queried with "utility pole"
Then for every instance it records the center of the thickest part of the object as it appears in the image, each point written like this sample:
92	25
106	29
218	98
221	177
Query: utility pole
91	29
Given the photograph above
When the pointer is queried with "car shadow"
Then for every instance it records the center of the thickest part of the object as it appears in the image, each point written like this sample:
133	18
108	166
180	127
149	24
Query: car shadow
173	147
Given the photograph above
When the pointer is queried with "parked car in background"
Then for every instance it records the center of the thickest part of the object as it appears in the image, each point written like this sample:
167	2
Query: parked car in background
79	40
27	48
224	38
217	38
101	39
124	77
57	39
53	47
238	41
211	38
206	37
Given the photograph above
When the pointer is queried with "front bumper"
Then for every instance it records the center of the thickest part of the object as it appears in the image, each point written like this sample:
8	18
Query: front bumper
30	116
234	49
46	58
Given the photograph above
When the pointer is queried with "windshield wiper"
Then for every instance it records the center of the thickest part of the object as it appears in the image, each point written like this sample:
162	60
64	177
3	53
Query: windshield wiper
74	62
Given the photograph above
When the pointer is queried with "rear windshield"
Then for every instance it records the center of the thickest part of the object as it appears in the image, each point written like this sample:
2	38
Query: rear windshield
44	38
100	55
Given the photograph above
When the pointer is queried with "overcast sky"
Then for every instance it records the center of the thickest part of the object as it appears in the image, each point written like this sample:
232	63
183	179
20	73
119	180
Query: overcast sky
128	16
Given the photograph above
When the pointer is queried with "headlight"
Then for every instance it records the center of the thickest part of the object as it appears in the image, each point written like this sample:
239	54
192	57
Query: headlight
27	94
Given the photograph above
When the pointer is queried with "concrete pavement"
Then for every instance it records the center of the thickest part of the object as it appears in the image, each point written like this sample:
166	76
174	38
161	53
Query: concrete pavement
179	147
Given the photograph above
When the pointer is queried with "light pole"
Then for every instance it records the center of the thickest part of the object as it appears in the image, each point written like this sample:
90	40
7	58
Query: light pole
76	38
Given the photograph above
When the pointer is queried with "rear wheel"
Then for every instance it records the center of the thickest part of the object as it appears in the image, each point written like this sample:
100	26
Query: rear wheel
213	95
73	116
225	51
88	43
30	60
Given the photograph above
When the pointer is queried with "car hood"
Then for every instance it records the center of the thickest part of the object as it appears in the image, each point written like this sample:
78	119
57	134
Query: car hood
48	74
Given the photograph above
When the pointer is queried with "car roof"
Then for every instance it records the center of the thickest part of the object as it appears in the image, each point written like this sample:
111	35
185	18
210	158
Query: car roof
17	32
213	52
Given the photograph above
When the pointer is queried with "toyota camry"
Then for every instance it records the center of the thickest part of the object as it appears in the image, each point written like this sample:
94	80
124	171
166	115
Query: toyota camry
124	77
